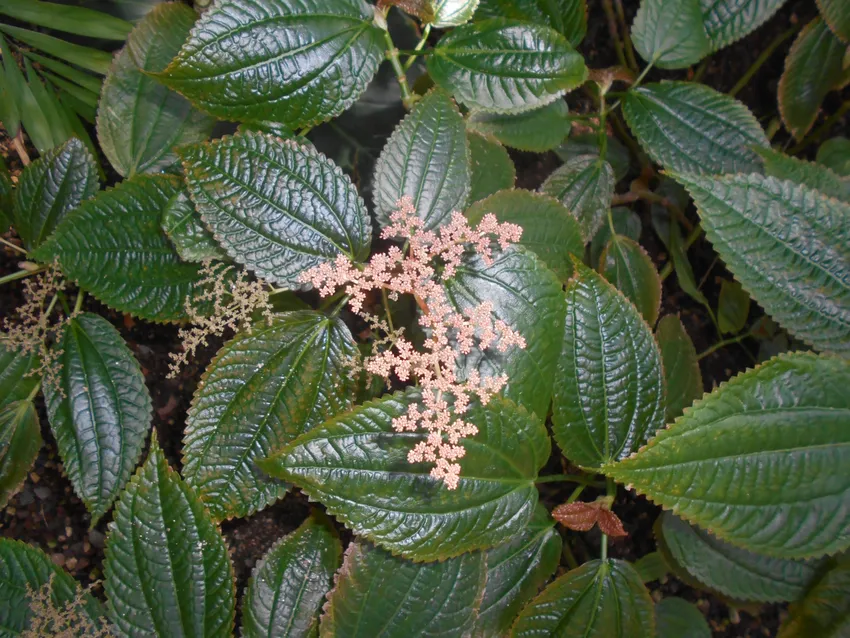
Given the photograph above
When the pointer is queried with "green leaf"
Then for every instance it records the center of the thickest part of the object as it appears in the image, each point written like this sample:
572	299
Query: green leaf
356	465
691	127
22	565
538	130
809	174
825	609
506	66
50	188
113	247
297	63
45	97
733	307
69	88
681	366
20	442
670	33
600	599
62	17
264	388
837	15
141	121
16	380
452	13
491	168
651	567
527	296
616	154
276	206
426	159
585	185
515	572
626	223
670	233
101	412
7	190
183	225
734	572
757	460
85	57
378	594
677	618
835	155
568	17
727	21
288	586
788	246
10	91
548	229
813	68
167	569
628	266
21	105
609	390
81	78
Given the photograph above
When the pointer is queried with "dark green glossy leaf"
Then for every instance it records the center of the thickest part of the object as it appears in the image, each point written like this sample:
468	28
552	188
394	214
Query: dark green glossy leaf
10	91
297	63
670	33
57	123
616	154
815	176
835	155
85	57
264	388
16	382
276	206
451	13
626	223
568	17
81	78
62	17
356	465
681	367
20	441
727	21
506	66
825	609
585	185
184	227
837	15
677	618
627	265
168	573
491	168
733	307
538	130
758	460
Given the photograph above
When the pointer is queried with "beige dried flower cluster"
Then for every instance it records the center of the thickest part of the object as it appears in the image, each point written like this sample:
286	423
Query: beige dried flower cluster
451	334
234	299
69	621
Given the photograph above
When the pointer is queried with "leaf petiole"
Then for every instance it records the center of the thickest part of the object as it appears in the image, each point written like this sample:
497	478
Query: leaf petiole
21	274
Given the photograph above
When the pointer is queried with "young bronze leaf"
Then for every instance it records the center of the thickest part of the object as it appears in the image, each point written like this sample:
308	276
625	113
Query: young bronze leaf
582	516
681	367
184	227
20	442
758	460
567	17
670	33
357	466
539	130
815	176
16	382
628	266
491	168
677	618
825	609
727	21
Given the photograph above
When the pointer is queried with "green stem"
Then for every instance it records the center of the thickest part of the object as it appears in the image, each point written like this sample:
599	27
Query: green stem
701	69
643	74
566	478
567	553
13	246
722	344
668	267
761	59
627	39
615	34
51	306
21	274
419	46
34	391
611	490
576	493
340	305
386	300
401	76
78	305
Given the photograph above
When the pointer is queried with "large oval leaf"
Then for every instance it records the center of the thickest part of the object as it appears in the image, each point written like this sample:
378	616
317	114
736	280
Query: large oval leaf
16	380
491	168
825	609
815	176
690	127
20	442
113	247
506	66
288	586
609	390
585	185
627	265
168	573
50	188
727	21
788	245
600	599
427	160
356	465
264	388
100	413
670	33
681	366
140	121
297	63
539	130
276	206
758	461
378	595
568	17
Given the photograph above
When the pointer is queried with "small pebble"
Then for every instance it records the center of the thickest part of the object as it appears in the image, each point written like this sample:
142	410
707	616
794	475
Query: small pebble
42	492
58	559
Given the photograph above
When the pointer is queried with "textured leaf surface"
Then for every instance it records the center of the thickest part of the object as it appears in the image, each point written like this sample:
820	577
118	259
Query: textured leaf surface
378	595
585	185
184	227
101	422
609	389
538	130
815	176
20	441
50	188
568	17
727	21
288	586
426	159
167	569
628	266
733	307
276	206
506	66
356	465
616	154
757	460
113	247
451	13
735	572
15	381
691	127
670	33
835	155
681	367
491	168
789	247
825	610
836	14
600	599
677	618
140	120
297	63
626	223
263	389
527	296
548	229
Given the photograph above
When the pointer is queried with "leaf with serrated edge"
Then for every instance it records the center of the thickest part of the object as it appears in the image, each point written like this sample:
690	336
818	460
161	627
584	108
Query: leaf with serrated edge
288	586
677	618
585	185
184	227
276	206
681	366
670	33
356	465
600	599
506	66
452	13
788	245
815	176
426	159
378	594
616	154
825	609
626	223
491	168
264	388
757	461
16	382
168	572
539	130
568	17
836	13
20	442
727	21
627	265
609	389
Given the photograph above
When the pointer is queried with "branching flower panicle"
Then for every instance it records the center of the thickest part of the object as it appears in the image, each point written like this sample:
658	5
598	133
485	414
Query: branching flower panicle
72	620
433	257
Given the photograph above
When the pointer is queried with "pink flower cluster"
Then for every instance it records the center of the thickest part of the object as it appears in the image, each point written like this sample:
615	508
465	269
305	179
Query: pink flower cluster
450	334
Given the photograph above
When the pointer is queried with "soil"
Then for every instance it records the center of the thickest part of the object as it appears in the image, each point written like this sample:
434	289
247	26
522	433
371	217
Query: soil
47	514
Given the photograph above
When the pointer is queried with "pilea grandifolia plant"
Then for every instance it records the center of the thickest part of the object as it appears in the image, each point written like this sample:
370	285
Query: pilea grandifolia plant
418	364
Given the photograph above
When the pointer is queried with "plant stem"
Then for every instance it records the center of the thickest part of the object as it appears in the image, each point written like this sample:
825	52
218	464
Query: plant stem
615	34
21	274
419	46
576	493
611	490
13	246
78	305
401	76
643	74
701	69
567	553
51	306
566	478
627	39
761	59
34	391
386	301
668	267
722	344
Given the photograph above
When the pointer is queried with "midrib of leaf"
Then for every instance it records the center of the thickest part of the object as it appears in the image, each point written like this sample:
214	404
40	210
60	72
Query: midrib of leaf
483	610
498	71
603	339
570	609
401	602
55	206
314	559
177	130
